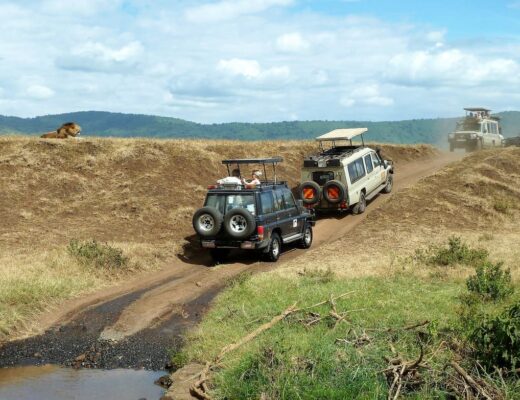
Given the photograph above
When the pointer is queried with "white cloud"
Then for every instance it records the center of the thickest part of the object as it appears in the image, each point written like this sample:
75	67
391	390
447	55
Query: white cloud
366	95
39	92
95	56
250	69
292	43
230	9
450	67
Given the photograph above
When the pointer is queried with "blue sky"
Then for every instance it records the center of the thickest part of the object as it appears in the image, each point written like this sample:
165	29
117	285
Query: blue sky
259	60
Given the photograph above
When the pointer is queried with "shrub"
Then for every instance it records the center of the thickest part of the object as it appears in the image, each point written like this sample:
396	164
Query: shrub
497	339
457	252
94	254
491	282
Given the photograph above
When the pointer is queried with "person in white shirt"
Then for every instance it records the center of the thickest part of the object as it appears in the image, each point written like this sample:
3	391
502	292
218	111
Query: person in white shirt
234	179
255	178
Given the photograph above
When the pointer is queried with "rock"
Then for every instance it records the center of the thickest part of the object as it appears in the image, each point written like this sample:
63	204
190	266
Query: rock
199	284
164	381
81	357
37	355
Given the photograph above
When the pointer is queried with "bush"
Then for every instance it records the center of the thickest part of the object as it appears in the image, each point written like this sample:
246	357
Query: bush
491	282
94	254
497	339
457	252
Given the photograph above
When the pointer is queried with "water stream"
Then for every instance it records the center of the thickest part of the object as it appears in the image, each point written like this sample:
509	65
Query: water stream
51	382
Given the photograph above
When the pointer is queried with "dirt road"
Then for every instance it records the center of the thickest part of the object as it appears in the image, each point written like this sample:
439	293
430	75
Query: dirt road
134	324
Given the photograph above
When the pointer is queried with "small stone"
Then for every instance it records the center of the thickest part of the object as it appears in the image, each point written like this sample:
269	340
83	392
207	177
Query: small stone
37	355
164	381
199	284
80	358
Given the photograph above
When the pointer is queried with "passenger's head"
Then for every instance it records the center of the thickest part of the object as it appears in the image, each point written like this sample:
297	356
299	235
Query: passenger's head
256	174
236	172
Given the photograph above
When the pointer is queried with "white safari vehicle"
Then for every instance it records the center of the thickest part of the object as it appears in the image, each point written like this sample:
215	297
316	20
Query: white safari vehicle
343	175
478	130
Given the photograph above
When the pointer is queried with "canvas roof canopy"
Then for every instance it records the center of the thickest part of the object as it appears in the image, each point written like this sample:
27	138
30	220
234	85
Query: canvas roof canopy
341	134
475	109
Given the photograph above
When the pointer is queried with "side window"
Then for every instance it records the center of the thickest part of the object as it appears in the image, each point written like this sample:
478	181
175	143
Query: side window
356	170
377	160
485	128
278	200
288	199
368	163
267	202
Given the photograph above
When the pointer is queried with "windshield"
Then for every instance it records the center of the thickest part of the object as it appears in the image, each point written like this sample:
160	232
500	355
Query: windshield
226	202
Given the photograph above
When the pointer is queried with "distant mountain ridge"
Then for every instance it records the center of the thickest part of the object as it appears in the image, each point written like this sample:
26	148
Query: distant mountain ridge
101	123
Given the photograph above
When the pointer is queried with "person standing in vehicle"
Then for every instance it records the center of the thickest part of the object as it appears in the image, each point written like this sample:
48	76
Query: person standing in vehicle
255	178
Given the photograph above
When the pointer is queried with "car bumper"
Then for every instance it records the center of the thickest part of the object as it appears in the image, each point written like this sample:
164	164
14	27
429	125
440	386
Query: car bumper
245	245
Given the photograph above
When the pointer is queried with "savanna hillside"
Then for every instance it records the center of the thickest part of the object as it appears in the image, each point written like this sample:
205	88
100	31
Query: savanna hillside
136	194
430	278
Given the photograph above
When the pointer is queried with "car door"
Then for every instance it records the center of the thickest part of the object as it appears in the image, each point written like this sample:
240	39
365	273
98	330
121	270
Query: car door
295	224
283	218
269	210
380	172
372	177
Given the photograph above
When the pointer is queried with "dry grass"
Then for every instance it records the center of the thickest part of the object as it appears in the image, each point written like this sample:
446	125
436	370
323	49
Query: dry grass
459	200
136	194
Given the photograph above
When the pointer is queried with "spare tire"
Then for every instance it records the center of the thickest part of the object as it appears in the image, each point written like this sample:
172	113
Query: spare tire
310	192
207	221
239	223
334	191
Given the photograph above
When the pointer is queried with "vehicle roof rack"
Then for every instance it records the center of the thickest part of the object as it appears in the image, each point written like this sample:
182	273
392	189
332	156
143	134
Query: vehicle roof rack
341	134
269	160
263	161
475	109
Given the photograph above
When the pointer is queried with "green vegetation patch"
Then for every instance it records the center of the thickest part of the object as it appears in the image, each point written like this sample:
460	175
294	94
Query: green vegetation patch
98	255
312	355
453	253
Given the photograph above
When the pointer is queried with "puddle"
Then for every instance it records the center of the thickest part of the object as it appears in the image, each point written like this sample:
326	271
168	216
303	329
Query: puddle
56	383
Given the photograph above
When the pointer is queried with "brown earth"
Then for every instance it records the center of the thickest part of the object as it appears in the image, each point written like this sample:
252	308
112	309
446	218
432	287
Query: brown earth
125	190
140	194
477	199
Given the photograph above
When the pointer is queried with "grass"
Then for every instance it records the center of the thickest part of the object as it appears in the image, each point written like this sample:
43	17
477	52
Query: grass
325	360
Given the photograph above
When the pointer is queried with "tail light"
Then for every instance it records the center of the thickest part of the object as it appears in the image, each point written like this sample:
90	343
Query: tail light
260	232
212	186
343	204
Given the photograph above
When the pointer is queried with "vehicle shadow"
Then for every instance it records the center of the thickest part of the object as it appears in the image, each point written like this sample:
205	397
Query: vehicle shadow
192	253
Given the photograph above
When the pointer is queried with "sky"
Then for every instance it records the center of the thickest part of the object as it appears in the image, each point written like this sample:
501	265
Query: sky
260	60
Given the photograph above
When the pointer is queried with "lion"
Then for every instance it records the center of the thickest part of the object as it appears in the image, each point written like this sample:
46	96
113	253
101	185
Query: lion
63	132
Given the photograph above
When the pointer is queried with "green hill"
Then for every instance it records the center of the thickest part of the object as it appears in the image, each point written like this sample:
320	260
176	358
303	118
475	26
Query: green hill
98	123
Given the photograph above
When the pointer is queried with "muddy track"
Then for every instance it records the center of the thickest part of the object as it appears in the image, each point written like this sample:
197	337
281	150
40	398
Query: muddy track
135	325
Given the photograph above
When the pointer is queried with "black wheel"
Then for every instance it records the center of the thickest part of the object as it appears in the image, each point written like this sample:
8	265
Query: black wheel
239	223
306	240
334	191
274	249
309	192
361	205
389	184
207	221
219	255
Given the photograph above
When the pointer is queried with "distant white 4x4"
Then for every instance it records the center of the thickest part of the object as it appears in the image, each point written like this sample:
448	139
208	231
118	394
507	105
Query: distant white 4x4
478	130
344	176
